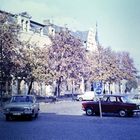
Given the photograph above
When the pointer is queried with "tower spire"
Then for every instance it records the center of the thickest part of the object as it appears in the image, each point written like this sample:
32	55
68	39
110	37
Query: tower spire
96	34
92	39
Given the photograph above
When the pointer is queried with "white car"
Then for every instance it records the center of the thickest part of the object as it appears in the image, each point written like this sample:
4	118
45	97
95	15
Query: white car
22	105
88	95
134	98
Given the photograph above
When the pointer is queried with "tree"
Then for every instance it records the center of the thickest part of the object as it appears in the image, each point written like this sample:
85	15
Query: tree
131	84
31	66
103	64
126	65
66	58
109	66
9	44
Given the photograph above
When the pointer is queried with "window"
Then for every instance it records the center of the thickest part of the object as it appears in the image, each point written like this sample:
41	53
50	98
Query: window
112	99
26	27
22	99
41	31
105	98
22	26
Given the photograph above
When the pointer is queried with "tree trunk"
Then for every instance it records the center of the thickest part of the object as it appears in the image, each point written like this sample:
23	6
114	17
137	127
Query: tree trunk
58	87
18	86
119	87
6	87
73	85
109	87
30	86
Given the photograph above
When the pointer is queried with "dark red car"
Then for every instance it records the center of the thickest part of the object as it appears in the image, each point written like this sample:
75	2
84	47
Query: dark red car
111	104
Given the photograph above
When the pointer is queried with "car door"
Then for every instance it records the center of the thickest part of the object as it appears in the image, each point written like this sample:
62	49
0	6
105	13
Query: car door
110	104
105	104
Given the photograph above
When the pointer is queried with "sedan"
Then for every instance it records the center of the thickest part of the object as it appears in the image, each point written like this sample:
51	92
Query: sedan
134	98
89	95
21	105
111	104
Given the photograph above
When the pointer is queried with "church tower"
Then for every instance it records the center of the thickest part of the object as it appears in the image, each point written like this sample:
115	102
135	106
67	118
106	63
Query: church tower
92	39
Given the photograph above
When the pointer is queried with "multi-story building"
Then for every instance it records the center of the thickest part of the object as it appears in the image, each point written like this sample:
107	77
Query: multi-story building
33	33
38	33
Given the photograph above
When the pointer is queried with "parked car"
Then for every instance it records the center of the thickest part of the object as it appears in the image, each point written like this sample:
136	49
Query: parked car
134	98
111	104
46	99
21	105
89	95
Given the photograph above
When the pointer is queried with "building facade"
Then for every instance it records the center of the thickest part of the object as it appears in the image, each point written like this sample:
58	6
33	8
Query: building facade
38	33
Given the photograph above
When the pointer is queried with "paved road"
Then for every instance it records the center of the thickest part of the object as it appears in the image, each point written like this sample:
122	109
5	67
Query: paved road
66	121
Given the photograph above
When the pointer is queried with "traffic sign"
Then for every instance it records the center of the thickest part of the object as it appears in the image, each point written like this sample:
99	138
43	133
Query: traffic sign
98	90
98	87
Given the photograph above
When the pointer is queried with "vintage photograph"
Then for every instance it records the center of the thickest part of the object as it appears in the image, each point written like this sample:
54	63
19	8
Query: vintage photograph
69	69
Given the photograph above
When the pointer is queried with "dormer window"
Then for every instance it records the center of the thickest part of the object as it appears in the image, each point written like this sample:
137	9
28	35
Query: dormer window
41	31
26	26
22	24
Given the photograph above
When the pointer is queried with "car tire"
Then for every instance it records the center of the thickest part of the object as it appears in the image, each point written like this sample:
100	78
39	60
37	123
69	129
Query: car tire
122	113
89	112
36	115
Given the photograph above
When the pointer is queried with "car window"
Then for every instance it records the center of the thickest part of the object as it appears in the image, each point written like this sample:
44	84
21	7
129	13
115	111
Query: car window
22	99
119	99
112	99
125	99
104	98
136	97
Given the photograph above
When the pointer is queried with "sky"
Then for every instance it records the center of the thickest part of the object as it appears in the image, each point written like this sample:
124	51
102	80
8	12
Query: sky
118	20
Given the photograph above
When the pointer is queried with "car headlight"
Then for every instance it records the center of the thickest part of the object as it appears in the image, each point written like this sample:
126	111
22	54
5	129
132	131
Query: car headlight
27	108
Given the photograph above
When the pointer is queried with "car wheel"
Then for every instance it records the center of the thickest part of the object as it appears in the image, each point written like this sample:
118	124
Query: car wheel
80	99
122	113
36	115
89	112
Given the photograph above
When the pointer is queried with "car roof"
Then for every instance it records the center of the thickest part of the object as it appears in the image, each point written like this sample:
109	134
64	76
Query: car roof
114	95
22	95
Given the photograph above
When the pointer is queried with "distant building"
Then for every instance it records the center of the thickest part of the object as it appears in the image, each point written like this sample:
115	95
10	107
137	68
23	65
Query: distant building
38	33
92	40
89	38
34	32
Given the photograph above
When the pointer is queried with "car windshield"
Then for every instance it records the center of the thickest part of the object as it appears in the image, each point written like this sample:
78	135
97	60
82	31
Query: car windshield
126	99
22	99
135	97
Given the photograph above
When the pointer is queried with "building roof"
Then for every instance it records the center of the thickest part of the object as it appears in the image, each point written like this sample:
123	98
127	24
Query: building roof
36	27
